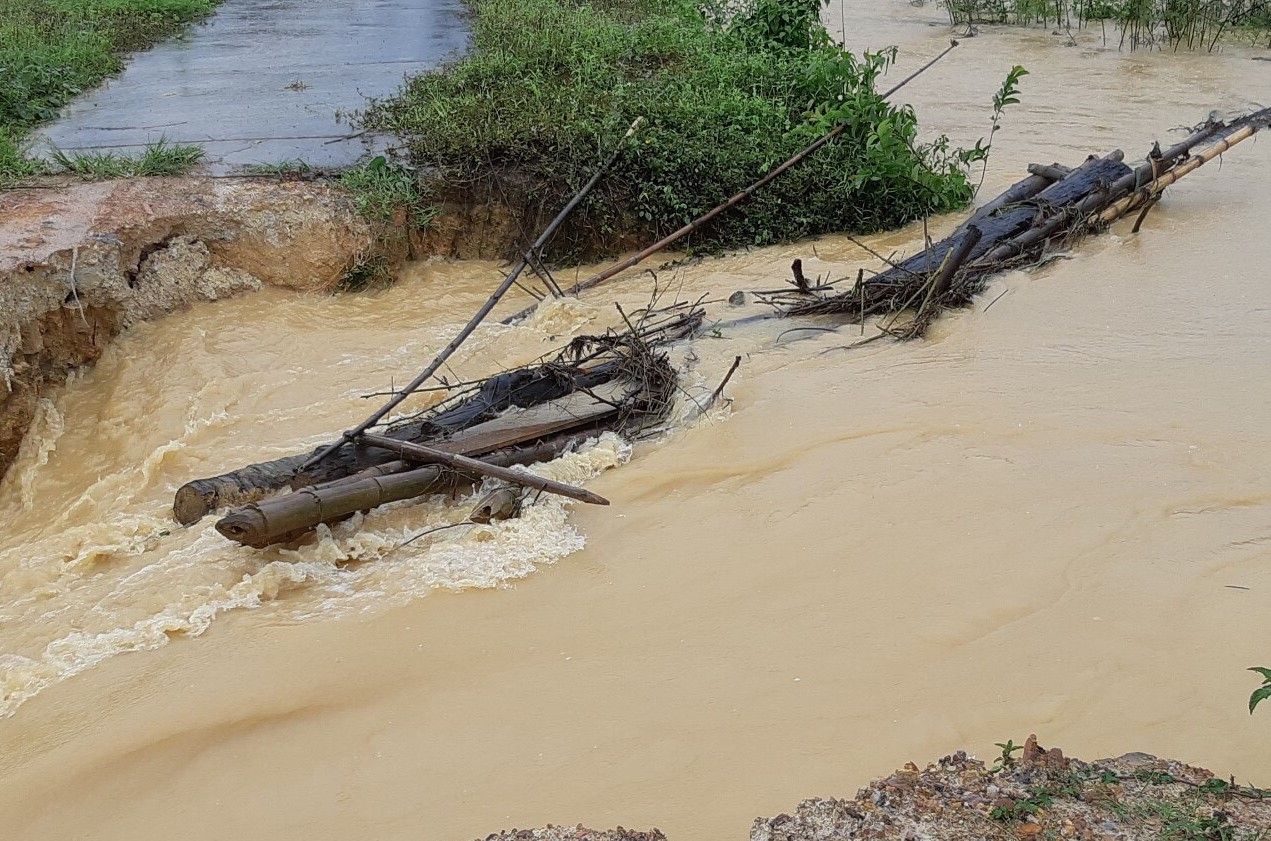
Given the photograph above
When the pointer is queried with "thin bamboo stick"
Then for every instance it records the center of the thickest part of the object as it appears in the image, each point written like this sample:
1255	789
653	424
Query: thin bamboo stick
1119	208
427	455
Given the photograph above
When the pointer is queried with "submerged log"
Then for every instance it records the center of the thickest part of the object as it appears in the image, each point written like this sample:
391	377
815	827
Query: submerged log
286	518
290	517
520	388
906	283
428	455
587	364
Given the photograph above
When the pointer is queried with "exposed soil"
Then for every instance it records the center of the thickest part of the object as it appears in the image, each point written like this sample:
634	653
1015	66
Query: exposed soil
1042	794
142	248
499	217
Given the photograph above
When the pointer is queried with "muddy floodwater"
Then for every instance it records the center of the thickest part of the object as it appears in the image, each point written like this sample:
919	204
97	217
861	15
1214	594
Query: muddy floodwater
1051	516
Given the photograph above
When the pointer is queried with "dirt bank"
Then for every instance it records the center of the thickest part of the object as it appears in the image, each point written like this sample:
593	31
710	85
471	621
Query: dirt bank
1042	794
78	264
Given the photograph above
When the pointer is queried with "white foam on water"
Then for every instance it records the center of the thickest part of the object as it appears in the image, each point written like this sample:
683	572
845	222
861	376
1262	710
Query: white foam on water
170	582
40	442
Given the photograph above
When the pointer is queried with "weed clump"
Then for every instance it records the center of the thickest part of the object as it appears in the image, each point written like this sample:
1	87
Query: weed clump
728	90
161	158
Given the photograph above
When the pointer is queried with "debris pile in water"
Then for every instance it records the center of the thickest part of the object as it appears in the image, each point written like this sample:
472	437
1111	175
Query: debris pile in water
1038	794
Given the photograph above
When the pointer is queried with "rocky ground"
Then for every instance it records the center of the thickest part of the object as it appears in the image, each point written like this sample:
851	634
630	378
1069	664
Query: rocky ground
1035	794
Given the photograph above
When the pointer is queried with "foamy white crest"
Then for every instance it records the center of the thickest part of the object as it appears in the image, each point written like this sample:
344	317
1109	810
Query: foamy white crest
561	316
458	558
40	441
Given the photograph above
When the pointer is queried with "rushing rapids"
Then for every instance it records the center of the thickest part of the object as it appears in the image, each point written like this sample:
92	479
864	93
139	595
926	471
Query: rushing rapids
1051	514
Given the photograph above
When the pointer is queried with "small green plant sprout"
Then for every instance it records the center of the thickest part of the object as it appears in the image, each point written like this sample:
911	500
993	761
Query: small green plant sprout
381	189
1007	759
1007	94
1214	786
1021	810
1263	692
1153	777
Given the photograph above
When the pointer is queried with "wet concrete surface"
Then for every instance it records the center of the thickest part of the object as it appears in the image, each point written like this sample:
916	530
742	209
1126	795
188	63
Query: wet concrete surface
265	80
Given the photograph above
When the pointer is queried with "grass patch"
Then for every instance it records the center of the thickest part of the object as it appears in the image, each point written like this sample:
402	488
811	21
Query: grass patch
160	158
383	191
728	90
286	168
1190	24
53	50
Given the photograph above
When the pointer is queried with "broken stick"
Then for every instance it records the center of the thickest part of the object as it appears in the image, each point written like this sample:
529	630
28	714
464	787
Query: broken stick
428	455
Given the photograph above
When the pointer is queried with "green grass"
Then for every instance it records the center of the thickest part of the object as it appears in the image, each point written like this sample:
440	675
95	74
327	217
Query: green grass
53	50
382	189
161	158
728	91
288	167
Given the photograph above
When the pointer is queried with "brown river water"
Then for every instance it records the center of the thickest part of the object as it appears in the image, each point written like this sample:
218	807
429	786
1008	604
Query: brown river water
1051	516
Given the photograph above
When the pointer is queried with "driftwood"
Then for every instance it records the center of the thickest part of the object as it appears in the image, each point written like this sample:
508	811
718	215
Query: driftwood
616	381
428	455
588	365
1019	226
289	517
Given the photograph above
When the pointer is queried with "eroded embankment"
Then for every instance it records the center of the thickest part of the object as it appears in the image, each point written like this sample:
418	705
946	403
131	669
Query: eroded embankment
79	264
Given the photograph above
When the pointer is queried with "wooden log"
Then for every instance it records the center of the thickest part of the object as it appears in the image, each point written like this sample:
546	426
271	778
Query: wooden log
520	388
1055	172
428	455
1010	221
287	518
1102	179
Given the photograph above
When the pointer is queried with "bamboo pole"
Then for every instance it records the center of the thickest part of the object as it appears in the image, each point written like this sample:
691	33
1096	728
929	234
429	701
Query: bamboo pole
428	455
486	308
288	517
1123	206
670	239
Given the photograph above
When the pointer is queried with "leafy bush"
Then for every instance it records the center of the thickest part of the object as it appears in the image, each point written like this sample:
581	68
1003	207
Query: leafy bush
728	92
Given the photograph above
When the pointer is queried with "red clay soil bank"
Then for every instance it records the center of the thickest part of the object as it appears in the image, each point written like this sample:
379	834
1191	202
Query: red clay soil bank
141	248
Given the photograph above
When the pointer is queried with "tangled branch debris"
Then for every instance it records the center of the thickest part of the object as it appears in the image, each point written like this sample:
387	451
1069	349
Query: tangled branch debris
618	381
1052	207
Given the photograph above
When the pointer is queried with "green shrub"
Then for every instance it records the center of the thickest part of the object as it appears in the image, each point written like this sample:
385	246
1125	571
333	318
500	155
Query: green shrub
728	92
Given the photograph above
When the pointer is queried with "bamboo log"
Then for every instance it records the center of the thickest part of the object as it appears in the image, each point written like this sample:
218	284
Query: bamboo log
1149	191
520	388
280	520
428	455
1055	172
500	504
286	518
